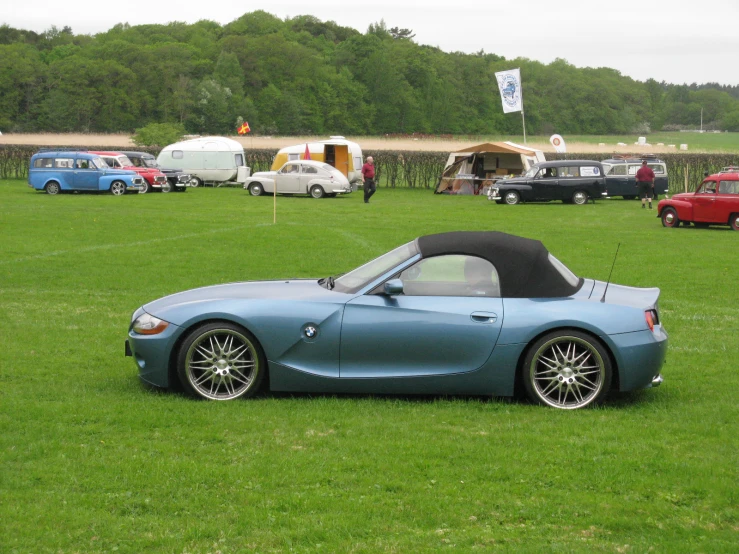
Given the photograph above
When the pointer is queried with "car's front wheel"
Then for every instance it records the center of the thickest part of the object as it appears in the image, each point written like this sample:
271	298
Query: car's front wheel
147	187
567	369
256	189
118	188
195	182
669	218
734	221
580	197
511	197
52	188
316	191
220	361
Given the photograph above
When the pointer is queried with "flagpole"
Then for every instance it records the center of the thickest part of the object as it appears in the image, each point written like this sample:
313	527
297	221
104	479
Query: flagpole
274	203
523	120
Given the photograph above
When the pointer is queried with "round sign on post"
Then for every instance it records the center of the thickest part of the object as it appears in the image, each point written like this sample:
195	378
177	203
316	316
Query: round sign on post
559	143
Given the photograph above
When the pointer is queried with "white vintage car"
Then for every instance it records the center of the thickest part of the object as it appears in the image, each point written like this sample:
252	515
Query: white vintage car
300	177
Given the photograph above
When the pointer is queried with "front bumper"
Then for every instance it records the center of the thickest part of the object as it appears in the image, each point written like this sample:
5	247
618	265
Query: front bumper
136	185
151	354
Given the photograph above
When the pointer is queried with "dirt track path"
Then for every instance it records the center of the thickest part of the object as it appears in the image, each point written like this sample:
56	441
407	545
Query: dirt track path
367	143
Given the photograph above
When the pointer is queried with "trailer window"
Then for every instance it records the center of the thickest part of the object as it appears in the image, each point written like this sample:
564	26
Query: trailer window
239	159
177	154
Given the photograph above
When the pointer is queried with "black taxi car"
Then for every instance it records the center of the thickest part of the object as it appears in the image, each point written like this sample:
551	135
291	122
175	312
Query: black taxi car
571	181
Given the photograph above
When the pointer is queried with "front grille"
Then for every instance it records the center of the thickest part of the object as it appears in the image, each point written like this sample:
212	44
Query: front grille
183	178
160	179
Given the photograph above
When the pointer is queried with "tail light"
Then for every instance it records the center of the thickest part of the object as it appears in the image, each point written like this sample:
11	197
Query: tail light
652	319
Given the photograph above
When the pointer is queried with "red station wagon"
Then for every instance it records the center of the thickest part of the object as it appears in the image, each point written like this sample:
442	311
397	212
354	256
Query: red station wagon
715	202
153	178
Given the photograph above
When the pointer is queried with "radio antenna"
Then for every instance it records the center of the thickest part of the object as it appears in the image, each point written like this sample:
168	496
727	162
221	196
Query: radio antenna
603	299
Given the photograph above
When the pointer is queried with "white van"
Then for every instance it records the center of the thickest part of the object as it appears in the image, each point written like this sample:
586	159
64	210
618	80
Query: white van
344	155
211	159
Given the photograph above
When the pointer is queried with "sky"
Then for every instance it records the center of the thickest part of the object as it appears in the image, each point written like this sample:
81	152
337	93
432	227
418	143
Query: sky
655	39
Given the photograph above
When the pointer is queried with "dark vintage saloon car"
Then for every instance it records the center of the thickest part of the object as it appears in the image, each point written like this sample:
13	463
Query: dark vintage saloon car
715	202
621	175
571	181
178	180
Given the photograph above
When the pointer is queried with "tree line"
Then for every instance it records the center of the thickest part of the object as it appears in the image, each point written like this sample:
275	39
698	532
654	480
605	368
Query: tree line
302	75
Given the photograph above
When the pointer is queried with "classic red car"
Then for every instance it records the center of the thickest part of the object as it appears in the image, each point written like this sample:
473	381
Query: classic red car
153	178
715	202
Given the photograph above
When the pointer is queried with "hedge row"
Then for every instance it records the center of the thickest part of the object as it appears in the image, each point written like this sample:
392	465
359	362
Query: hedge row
406	168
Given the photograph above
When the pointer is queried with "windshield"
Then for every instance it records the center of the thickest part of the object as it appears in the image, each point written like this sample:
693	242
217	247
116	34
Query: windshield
99	163
363	275
531	172
150	162
125	161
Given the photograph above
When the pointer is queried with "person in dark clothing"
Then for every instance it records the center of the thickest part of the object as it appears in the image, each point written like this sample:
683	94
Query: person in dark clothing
645	183
368	176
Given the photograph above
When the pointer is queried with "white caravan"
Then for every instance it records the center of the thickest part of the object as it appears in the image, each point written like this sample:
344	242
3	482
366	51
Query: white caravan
211	159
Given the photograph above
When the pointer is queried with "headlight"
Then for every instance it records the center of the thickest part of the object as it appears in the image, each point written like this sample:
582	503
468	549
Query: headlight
147	324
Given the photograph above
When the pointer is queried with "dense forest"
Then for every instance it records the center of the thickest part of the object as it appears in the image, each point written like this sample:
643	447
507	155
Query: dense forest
306	76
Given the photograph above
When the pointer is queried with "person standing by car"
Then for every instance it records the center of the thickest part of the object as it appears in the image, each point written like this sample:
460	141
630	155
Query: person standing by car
368	176
645	183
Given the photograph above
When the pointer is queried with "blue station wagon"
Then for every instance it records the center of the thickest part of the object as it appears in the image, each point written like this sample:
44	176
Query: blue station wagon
56	172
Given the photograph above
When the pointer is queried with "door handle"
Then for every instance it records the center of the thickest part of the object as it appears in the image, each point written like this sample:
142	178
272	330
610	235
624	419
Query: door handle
483	317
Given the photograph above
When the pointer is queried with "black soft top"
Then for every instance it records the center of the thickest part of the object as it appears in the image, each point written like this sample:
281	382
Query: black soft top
523	264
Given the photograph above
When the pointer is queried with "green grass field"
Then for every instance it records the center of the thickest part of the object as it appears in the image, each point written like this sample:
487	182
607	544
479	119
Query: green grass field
94	462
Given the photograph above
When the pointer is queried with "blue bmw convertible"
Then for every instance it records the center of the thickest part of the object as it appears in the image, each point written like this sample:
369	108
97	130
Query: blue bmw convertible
474	313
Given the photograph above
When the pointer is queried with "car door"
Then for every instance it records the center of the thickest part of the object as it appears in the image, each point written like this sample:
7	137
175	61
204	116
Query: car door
617	181
545	184
704	203
85	175
288	178
442	323
727	200
307	174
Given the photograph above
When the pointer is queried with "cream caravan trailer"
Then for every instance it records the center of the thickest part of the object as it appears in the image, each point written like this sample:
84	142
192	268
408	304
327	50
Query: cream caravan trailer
344	155
212	159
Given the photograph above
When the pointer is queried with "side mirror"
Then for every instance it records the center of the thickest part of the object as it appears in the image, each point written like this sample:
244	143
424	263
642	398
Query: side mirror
393	287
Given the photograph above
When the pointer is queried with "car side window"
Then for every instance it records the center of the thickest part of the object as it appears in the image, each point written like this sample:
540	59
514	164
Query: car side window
658	169
43	162
728	187
633	169
546	173
65	163
452	275
82	164
310	169
291	169
707	187
570	171
619	169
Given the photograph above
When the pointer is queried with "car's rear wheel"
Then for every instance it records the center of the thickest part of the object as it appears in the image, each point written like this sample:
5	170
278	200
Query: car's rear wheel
195	182
52	188
669	218
118	188
734	221
316	191
567	369
256	189
220	361
580	197
511	197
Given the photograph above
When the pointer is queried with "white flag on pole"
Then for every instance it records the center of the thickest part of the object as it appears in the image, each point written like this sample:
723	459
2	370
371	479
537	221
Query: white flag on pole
509	83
